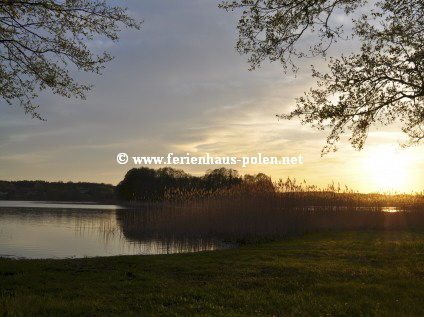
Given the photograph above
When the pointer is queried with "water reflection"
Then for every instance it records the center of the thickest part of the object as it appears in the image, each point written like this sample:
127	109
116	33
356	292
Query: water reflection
158	232
52	204
391	209
350	208
44	230
61	232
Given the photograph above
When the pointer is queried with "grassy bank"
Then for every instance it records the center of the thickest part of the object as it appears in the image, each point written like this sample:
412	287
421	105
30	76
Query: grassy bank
331	274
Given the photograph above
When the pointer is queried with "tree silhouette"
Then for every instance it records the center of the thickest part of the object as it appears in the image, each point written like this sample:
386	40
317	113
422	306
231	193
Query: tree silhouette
380	85
221	178
147	184
41	39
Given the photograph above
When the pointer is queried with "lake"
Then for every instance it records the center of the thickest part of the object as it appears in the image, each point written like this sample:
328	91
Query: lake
67	230
64	230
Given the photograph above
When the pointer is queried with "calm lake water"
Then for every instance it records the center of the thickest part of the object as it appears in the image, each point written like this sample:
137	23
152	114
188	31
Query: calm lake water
64	230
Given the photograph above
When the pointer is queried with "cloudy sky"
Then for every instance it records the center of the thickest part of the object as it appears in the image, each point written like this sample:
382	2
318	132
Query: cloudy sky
179	86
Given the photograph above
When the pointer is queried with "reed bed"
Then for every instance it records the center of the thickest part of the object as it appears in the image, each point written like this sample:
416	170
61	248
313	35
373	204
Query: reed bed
258	211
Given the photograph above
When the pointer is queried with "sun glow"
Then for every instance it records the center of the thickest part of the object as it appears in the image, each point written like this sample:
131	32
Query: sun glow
387	169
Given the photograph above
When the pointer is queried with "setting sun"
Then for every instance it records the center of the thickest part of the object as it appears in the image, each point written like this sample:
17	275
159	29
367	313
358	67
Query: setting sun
387	169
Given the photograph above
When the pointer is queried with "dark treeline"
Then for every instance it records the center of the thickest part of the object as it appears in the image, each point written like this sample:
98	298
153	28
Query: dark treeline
146	184
56	191
169	184
139	184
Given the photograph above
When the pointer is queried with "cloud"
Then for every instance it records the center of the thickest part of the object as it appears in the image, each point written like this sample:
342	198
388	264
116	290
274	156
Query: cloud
177	86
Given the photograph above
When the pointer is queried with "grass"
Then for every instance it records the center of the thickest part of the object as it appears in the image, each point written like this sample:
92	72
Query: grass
369	273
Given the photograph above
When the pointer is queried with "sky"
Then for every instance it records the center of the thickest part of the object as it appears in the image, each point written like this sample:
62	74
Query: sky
179	86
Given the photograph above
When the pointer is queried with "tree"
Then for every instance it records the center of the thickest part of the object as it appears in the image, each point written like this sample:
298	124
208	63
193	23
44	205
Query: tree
259	183
381	84
139	184
41	39
221	178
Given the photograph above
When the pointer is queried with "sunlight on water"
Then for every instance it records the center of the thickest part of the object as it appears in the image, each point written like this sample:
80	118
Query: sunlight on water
390	209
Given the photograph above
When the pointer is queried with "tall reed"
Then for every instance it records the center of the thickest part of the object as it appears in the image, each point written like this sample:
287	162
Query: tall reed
254	211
